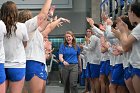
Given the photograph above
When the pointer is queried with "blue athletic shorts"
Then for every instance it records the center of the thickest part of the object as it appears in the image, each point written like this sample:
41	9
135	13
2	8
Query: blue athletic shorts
111	68
2	73
105	67
83	74
135	71
87	72
118	75
15	74
128	72
35	68
94	70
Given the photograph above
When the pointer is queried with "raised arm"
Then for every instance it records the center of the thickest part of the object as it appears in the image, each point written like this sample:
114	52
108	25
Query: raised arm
96	30
44	12
33	23
123	35
53	25
47	20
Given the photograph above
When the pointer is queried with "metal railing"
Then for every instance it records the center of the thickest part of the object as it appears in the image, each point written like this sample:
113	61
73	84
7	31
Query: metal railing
115	8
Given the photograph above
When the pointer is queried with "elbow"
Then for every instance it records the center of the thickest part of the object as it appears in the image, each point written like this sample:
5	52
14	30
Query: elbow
25	44
126	49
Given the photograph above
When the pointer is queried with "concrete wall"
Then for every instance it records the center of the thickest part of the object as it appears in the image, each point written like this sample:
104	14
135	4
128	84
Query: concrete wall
77	14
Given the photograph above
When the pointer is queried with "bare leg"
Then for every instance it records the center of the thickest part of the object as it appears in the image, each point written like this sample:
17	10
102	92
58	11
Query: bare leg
107	88
44	87
136	83
25	88
16	87
36	85
6	85
86	85
121	89
113	88
102	82
97	85
92	85
107	84
2	87
129	85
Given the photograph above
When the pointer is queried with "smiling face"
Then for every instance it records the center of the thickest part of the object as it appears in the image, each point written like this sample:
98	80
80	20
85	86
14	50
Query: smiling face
69	38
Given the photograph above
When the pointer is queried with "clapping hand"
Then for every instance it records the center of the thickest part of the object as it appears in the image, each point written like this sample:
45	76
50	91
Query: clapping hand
121	25
90	21
104	16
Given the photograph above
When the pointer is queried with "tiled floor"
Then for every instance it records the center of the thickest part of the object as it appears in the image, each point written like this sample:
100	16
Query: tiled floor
54	86
58	88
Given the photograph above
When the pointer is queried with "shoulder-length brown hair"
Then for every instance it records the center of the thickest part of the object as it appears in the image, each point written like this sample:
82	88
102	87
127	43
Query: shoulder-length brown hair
24	15
9	15
73	40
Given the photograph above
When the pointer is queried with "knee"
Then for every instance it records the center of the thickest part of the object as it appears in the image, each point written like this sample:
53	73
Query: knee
101	79
38	90
112	86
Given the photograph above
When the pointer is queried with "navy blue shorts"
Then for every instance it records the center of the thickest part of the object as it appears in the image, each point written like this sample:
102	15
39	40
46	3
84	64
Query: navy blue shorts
2	73
118	75
105	67
94	70
15	74
35	68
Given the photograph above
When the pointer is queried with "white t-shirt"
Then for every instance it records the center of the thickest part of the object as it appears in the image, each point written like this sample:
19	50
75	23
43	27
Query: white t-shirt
119	59
84	55
97	31
15	56
94	50
111	56
2	33
135	54
31	24
35	48
105	56
126	59
84	63
108	33
112	59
